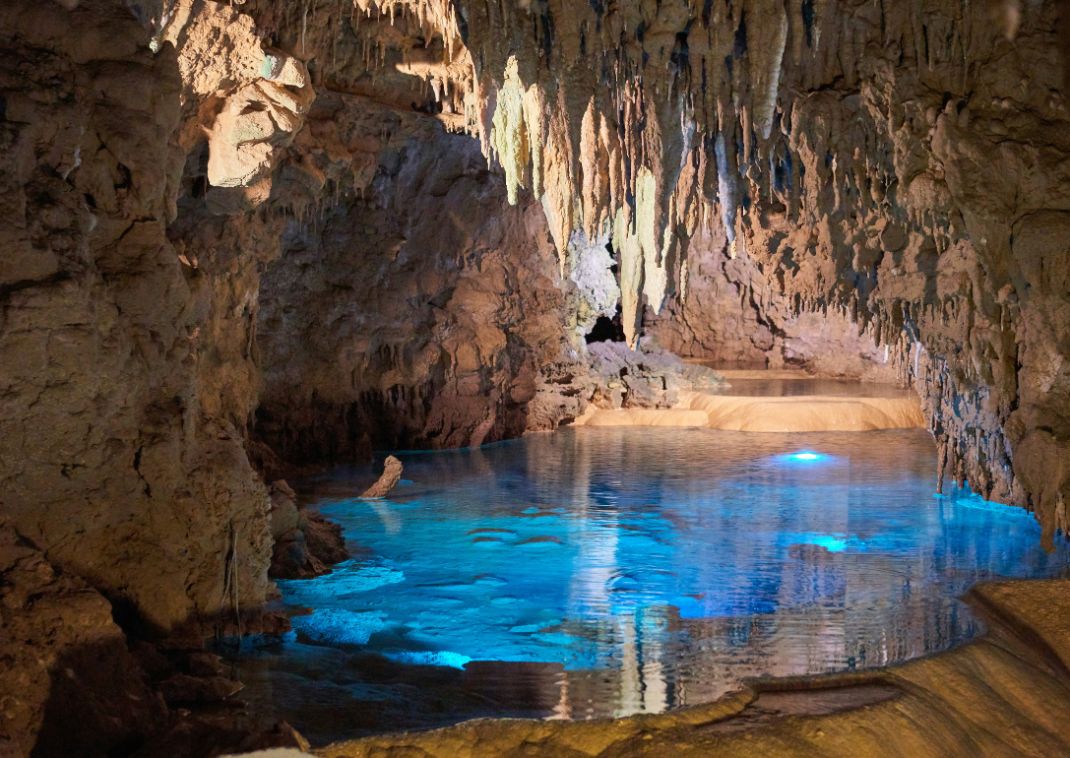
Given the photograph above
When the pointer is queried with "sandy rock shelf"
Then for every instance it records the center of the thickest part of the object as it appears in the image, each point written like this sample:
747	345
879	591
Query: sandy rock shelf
740	413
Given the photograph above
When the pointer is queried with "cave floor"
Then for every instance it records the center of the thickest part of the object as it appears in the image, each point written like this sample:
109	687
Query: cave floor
1005	693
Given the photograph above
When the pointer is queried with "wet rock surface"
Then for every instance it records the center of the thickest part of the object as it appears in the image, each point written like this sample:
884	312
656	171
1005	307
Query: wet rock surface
626	378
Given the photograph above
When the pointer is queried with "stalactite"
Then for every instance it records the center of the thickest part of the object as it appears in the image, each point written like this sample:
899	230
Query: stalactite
833	187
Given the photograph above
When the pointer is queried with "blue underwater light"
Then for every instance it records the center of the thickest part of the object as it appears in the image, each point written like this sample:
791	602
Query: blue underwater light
601	572
831	543
805	456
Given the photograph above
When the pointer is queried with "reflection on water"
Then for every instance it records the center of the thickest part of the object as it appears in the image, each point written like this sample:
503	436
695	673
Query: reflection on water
799	387
603	572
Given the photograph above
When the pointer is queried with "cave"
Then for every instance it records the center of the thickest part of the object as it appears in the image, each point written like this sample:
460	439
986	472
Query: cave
606	329
541	377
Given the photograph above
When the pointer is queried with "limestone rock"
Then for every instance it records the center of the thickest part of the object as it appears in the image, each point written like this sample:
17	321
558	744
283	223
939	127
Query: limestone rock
66	677
460	301
121	422
648	378
391	475
183	689
306	544
327	227
814	148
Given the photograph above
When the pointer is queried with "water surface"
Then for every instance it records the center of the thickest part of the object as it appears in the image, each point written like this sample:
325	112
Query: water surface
785	387
608	571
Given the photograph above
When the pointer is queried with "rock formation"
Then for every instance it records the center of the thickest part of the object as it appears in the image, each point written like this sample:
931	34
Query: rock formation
768	414
323	226
67	673
392	469
306	544
418	316
821	160
121	432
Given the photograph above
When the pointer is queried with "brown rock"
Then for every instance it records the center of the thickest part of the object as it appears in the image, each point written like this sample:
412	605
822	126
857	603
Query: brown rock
122	384
184	689
391	475
306	544
205	239
67	679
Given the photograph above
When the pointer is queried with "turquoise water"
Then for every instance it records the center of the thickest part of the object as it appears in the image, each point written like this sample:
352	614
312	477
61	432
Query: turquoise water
603	572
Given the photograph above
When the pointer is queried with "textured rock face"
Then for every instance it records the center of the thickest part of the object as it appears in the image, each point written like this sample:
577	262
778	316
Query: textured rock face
730	314
306	544
417	317
114	457
392	470
67	670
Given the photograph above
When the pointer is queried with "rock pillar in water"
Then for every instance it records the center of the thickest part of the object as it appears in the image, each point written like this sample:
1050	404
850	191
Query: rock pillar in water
392	469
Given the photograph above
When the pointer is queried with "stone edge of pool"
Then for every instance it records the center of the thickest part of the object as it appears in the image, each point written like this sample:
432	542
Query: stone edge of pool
1004	693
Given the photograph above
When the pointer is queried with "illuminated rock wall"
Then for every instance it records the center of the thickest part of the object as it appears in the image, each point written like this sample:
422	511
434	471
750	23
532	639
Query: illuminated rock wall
122	388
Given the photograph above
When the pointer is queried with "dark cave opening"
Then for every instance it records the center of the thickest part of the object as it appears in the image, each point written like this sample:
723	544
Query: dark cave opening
607	329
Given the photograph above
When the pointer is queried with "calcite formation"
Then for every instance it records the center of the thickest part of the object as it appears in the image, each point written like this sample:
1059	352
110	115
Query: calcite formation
904	170
306	543
458	310
768	414
121	438
322	226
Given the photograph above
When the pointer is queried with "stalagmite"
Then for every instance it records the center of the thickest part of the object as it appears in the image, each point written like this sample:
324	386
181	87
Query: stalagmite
392	470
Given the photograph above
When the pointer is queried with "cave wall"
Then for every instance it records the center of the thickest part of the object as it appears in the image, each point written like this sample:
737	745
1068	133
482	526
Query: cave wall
727	313
418	315
112	456
127	500
157	160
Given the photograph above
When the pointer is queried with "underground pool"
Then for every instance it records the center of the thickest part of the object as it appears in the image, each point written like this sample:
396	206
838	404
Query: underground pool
605	572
